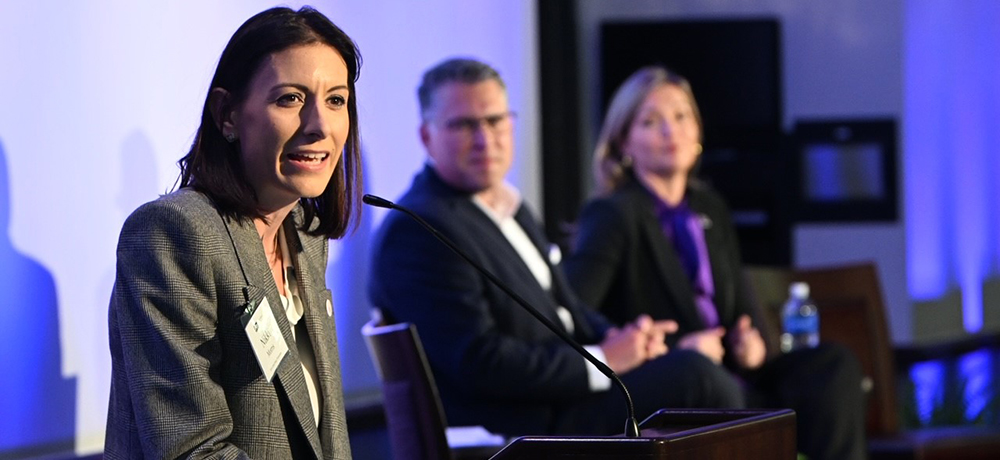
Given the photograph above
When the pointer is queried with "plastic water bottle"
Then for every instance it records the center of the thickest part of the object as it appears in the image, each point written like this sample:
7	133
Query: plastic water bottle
800	319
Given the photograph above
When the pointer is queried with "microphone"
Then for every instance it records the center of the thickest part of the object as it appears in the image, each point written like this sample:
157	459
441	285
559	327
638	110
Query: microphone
631	425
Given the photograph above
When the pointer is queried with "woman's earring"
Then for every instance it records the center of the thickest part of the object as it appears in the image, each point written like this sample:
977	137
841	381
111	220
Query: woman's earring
230	138
699	149
626	161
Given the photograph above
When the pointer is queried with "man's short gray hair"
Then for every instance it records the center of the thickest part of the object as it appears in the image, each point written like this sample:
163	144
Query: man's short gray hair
461	70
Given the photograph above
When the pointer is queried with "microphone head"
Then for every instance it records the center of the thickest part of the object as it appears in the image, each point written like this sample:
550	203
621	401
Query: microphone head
378	202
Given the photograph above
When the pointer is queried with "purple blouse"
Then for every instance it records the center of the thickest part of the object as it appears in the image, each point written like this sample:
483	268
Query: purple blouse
683	227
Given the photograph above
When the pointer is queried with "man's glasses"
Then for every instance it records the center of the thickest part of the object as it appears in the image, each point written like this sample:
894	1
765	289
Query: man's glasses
497	123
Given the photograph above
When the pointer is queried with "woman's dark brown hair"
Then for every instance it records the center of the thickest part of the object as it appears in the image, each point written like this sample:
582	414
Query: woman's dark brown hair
213	166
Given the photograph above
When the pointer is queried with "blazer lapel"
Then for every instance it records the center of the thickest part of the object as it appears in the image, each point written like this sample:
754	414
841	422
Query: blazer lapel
530	289
717	258
560	286
466	211
322	333
290	379
666	261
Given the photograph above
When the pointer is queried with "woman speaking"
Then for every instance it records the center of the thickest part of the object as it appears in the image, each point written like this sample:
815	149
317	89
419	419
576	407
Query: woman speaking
221	326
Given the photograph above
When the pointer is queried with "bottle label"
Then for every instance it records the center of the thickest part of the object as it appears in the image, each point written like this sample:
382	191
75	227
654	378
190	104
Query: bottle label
802	324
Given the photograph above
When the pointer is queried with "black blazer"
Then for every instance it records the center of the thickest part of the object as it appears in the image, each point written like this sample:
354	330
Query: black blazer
624	265
494	364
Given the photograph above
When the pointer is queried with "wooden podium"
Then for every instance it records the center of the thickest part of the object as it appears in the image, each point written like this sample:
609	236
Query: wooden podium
679	434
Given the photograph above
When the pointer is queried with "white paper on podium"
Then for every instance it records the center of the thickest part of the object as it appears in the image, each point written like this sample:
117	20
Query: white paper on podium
468	436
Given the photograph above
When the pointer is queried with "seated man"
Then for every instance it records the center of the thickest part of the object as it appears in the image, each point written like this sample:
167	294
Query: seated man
495	364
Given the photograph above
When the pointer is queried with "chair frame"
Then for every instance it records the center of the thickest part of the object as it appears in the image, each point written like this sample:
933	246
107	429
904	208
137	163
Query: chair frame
414	416
415	419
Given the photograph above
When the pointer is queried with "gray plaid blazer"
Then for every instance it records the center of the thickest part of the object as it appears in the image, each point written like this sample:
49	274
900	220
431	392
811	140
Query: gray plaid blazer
185	382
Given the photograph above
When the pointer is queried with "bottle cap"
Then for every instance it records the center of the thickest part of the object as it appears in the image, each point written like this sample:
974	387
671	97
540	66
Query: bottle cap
799	290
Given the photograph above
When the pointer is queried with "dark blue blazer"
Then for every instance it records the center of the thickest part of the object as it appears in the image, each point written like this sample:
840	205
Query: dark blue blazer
495	365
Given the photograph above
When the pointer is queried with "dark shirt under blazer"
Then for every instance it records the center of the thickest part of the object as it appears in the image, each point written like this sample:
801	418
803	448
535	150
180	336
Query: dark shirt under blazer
185	381
494	364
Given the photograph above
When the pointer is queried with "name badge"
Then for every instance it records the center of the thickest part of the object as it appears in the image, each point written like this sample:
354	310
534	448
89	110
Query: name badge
265	337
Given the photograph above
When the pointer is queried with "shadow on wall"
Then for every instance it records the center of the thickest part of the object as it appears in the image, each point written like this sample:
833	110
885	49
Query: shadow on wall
38	405
137	181
137	185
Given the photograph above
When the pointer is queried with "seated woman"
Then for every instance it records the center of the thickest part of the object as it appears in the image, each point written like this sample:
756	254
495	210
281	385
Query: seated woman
657	241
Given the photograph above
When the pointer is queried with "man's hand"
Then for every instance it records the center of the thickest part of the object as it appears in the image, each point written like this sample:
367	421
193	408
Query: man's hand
644	339
657	336
747	345
707	342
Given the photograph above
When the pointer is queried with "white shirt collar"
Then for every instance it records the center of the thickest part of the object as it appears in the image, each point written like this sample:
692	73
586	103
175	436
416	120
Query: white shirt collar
507	200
